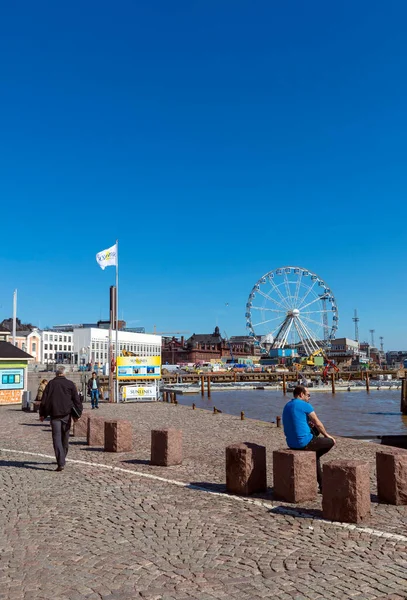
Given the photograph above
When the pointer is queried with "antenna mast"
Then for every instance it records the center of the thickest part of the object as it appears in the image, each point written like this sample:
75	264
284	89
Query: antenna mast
355	319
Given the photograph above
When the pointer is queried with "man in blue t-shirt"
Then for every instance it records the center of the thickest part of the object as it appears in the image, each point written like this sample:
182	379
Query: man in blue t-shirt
302	427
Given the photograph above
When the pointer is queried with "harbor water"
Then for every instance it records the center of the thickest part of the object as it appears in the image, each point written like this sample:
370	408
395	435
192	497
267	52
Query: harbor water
345	413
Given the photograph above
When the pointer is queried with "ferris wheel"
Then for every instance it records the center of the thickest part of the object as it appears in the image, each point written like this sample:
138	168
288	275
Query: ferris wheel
291	307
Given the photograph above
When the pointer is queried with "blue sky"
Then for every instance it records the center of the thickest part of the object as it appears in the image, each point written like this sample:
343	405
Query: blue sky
217	141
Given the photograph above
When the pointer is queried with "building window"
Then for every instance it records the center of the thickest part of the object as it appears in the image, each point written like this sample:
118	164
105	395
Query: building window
65	348
60	338
60	347
45	346
46	336
45	356
64	338
34	346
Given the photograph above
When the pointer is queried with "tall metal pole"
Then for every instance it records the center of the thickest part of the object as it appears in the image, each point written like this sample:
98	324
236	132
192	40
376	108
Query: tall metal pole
117	318
14	316
112	302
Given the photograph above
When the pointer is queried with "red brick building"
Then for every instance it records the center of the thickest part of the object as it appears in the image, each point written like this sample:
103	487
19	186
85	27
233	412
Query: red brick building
204	347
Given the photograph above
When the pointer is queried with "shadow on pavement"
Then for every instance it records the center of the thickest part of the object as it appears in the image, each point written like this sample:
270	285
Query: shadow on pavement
26	464
302	513
137	461
218	488
92	449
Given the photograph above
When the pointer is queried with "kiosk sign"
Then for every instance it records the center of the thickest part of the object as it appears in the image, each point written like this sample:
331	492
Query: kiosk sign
140	392
138	367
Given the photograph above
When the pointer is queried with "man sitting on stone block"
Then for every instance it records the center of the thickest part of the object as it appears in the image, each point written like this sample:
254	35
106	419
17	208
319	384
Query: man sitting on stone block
302	428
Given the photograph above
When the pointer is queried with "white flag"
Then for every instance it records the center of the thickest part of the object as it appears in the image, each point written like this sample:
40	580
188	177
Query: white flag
107	258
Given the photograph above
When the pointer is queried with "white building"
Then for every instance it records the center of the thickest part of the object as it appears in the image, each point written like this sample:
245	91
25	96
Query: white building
91	344
346	350
57	346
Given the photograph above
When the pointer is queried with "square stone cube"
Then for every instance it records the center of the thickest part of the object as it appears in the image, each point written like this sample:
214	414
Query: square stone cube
166	447
294	475
346	491
96	431
80	428
118	436
391	469
246	471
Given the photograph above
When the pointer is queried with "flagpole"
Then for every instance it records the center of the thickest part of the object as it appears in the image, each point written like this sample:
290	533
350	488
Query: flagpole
117	318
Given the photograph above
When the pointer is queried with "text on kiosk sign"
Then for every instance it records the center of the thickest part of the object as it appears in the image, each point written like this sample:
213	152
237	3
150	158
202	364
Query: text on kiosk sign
138	367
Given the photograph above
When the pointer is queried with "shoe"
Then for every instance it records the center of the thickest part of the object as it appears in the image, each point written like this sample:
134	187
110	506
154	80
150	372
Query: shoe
59	468
96	407
93	407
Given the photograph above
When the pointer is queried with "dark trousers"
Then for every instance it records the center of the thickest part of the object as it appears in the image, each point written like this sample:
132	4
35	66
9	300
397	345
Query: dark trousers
320	445
60	437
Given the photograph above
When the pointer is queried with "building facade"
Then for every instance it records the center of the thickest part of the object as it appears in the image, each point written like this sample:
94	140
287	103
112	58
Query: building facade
29	341
91	344
346	351
207	347
57	346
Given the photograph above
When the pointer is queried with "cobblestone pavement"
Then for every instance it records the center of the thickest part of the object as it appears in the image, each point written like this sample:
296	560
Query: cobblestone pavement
97	532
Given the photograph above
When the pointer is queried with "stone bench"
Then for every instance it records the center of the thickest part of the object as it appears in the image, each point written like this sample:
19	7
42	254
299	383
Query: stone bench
166	447
294	475
80	428
246	471
391	470
346	491
118	436
95	435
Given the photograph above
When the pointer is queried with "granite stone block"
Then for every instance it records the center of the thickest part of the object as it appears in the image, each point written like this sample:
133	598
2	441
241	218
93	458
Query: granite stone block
166	447
96	431
246	471
346	491
391	469
118	436
294	475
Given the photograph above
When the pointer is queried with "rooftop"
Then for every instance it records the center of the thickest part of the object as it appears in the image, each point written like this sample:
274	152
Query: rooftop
7	350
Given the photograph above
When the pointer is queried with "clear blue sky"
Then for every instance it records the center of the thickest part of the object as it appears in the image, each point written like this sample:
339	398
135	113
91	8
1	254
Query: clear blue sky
217	140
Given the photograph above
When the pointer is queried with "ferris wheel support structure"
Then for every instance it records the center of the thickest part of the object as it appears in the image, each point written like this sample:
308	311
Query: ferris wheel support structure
287	308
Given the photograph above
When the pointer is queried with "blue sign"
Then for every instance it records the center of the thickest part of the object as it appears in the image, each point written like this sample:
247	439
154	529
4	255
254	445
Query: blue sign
11	379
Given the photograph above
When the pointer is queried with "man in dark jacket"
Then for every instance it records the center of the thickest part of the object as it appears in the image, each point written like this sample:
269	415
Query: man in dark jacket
59	399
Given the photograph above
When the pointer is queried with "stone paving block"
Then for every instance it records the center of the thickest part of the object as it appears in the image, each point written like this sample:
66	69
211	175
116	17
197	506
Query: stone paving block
391	470
80	428
346	491
294	475
96	431
246	471
118	436
166	447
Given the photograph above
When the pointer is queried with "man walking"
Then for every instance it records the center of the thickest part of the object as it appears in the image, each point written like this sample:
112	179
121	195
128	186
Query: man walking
59	399
93	389
302	428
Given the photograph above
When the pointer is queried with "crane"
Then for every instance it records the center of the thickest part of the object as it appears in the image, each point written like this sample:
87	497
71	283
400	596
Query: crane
167	332
330	363
230	347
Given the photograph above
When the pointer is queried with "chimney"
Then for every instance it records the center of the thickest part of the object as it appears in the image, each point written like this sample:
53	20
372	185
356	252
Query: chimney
182	340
